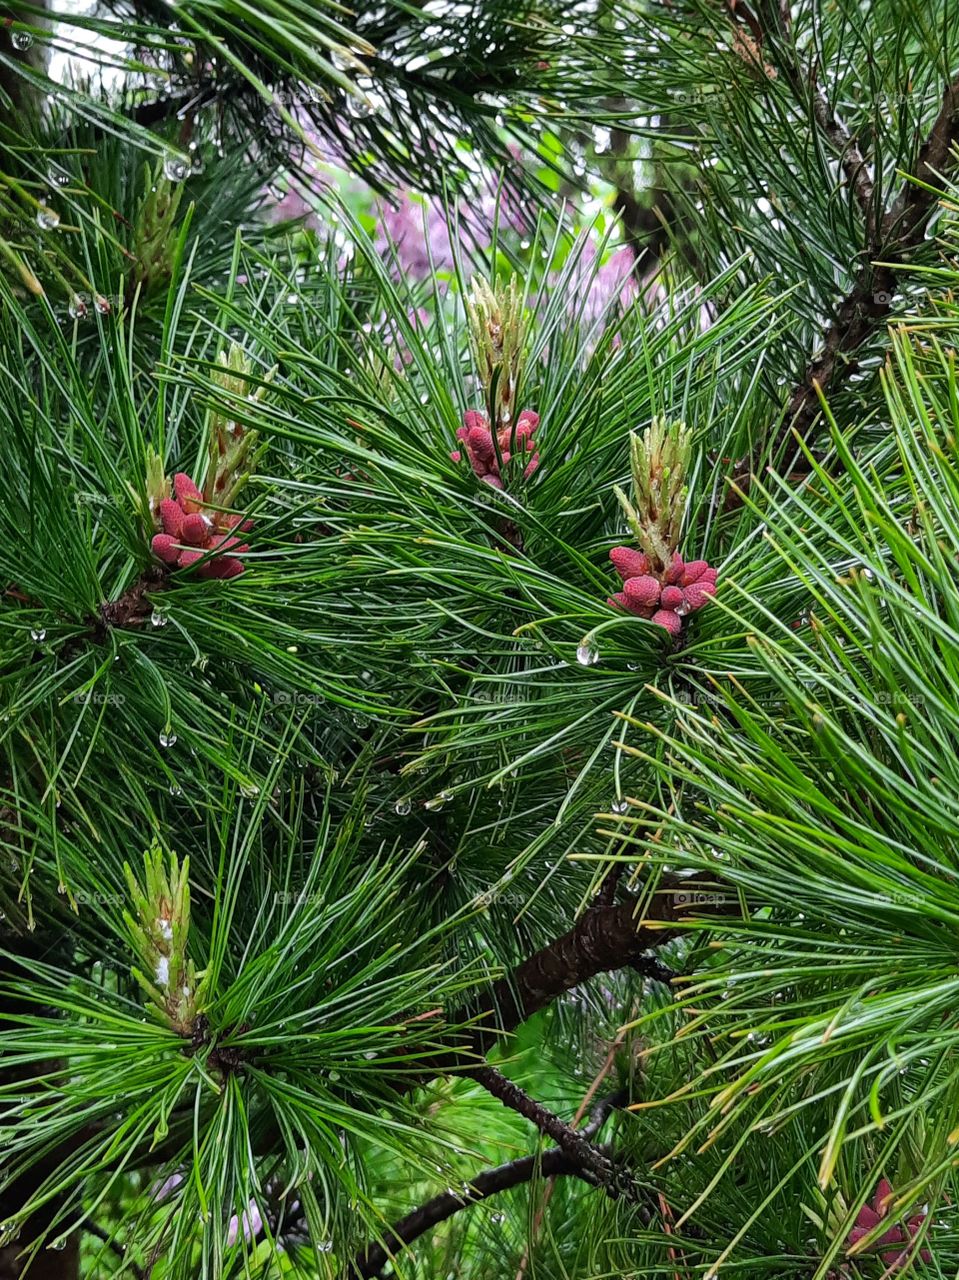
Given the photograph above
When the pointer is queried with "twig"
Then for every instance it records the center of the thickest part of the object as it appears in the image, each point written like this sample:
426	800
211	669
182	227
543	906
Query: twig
550	1164
577	1146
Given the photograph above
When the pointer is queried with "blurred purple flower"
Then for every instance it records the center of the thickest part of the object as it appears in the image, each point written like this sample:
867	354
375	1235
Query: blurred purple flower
604	291
252	1224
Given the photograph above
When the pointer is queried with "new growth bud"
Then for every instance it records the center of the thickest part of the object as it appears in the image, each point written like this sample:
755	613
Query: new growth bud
658	461
159	931
498	336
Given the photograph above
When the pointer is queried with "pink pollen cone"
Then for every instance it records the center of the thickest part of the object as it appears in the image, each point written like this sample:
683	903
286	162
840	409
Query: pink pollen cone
618	601
480	441
456	455
629	563
642	591
171	517
671	621
693	572
675	570
672	598
195	530
165	548
188	558
186	491
697	595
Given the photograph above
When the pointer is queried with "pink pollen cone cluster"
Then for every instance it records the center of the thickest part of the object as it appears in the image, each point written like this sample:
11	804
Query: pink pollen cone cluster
517	441
899	1235
665	600
189	534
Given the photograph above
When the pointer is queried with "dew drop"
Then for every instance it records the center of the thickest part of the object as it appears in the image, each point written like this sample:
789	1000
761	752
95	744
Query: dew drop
175	167
403	806
77	307
619	806
587	655
325	1246
168	738
249	791
158	619
21	40
38	634
47	218
102	304
439	800
175	789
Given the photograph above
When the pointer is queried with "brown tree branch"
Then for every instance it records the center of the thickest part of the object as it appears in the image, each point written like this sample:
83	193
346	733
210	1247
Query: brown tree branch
552	1163
606	937
576	1145
870	299
890	236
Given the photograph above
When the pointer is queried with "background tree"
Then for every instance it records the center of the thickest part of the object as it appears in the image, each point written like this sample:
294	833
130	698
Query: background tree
478	714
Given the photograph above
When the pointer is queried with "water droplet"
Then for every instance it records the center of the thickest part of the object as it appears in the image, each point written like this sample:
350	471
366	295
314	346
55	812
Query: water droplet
158	619
403	806
325	1246
57	179
370	1053
334	1075
439	800
38	634
77	307
175	789
498	1218
47	218
249	790
102	304
58	1245
168	738
175	167
619	806
21	40
587	655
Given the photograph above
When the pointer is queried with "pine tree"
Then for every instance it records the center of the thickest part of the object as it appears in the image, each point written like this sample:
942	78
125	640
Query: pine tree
477	700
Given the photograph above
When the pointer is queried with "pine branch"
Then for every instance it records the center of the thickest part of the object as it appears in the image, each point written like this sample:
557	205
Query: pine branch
767	28
870	299
576	1145
553	1163
606	937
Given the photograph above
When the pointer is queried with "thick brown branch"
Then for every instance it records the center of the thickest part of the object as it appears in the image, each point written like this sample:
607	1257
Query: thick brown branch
606	937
